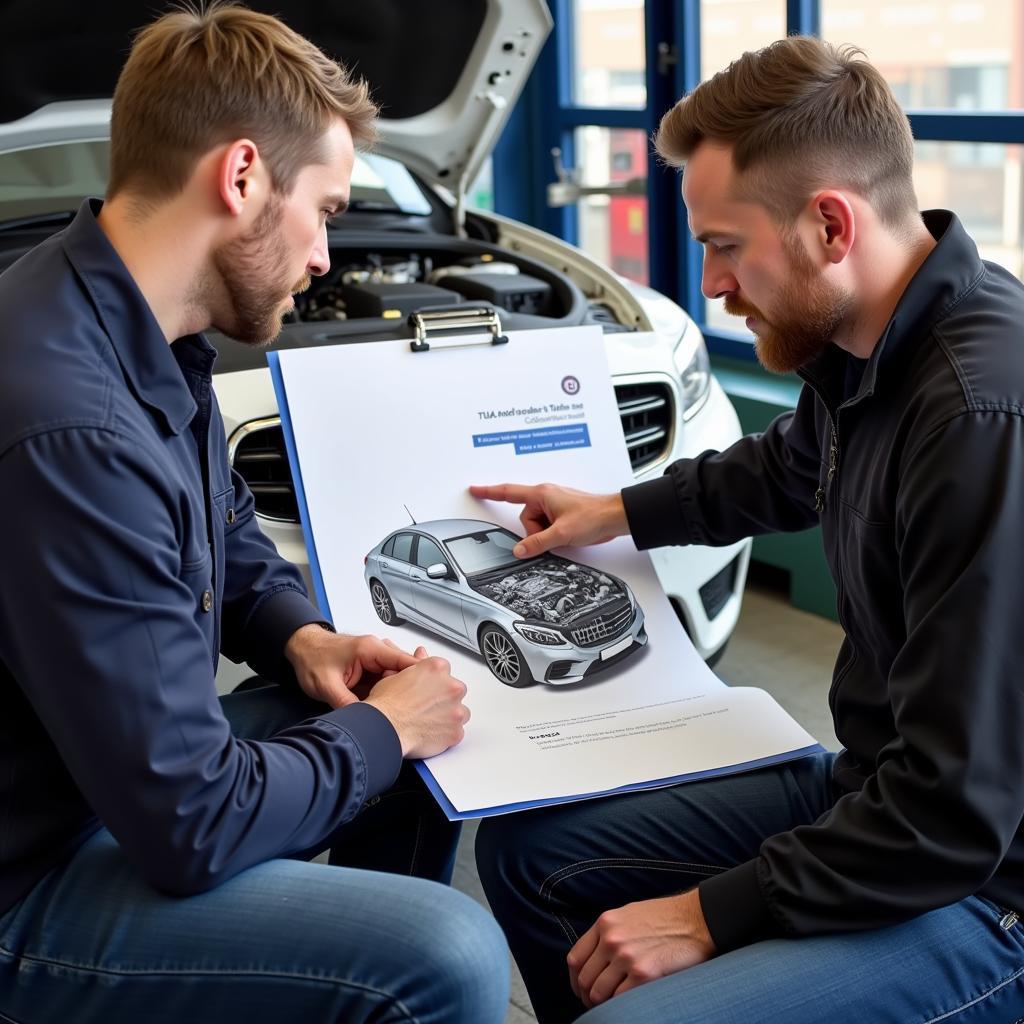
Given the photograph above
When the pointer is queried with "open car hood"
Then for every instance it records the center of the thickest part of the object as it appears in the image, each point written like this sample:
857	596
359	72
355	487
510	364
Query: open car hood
446	73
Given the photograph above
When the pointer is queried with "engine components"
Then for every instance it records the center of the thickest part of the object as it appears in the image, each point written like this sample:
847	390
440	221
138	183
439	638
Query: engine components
552	591
393	301
518	293
390	286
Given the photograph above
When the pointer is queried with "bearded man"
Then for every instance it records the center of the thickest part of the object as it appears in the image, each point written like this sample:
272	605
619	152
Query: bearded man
883	883
152	838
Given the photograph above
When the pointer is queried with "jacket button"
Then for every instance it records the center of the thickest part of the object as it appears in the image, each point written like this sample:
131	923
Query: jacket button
230	517
207	600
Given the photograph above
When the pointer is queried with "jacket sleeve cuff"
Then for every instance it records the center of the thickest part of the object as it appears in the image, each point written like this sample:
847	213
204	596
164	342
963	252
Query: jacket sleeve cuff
271	625
734	908
377	741
653	514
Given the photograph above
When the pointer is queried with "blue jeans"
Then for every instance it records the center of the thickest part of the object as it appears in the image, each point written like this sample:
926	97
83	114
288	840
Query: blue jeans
550	873
283	941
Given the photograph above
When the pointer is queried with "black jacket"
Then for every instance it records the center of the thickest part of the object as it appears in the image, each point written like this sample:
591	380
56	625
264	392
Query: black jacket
921	514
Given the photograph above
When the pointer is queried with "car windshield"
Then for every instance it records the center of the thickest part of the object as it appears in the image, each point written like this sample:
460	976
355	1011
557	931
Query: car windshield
484	551
54	179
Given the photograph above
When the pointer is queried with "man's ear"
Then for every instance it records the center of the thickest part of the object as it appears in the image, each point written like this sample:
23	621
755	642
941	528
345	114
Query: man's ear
834	224
239	175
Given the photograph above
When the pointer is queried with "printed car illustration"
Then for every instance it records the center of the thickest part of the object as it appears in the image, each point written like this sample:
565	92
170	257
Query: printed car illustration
544	619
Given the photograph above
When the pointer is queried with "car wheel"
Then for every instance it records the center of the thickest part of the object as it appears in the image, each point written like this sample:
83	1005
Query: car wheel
382	604
504	658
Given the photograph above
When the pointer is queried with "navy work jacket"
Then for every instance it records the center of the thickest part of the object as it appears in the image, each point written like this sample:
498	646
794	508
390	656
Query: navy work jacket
131	558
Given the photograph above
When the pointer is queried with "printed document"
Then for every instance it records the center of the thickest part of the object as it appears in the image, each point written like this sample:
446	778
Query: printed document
581	680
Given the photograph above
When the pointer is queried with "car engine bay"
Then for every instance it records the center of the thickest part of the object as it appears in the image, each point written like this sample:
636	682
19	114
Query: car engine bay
392	288
551	590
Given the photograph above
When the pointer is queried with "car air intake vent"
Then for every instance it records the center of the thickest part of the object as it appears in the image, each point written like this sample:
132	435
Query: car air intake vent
715	594
258	453
647	417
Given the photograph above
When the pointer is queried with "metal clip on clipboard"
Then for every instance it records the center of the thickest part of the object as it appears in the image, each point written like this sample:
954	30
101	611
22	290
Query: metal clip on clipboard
455	320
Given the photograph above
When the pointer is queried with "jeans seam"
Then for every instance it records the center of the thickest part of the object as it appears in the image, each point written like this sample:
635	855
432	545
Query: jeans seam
206	973
578	867
966	1006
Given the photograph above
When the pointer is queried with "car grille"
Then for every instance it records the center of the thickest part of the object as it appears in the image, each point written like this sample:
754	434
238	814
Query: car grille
258	453
603	627
646	413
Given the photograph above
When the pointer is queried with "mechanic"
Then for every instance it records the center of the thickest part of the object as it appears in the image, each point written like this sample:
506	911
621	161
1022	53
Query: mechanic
883	883
153	840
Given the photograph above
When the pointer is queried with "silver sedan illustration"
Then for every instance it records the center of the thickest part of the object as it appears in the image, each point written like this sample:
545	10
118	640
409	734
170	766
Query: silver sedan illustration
544	619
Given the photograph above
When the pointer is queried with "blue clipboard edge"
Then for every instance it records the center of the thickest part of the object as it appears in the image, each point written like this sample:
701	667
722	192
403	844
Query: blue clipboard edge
430	781
488	812
277	376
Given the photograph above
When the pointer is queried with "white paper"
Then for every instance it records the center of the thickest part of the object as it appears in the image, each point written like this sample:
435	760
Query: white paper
380	430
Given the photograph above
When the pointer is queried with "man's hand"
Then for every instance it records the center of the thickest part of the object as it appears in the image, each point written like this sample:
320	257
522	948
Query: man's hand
328	666
559	516
424	704
637	943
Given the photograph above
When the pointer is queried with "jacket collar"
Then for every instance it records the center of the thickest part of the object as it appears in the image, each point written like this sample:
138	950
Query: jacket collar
153	371
950	270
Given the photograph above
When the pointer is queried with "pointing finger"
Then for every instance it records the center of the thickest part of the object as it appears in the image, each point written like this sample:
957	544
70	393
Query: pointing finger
515	493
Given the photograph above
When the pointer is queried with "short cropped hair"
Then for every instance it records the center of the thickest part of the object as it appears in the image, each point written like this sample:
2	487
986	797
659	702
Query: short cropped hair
800	115
196	78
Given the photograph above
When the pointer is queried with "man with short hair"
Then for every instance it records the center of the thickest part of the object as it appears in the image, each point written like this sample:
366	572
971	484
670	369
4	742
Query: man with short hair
883	883
153	839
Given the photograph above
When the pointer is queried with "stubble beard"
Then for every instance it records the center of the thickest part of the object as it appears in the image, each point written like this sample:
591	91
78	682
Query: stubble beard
251	288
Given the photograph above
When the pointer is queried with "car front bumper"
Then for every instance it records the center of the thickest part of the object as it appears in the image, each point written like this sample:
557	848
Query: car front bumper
568	663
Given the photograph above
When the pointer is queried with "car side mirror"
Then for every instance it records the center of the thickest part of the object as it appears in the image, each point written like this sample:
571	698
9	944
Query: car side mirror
437	571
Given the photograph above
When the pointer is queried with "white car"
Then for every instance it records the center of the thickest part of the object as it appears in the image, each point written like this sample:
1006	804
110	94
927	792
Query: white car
408	256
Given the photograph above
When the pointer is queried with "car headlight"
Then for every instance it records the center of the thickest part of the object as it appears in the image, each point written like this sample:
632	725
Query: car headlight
538	634
695	380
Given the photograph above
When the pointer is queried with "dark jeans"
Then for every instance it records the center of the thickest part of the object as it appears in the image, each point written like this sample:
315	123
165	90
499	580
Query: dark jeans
283	941
550	873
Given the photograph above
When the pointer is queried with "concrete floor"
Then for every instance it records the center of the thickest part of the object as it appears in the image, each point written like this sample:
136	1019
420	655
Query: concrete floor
787	652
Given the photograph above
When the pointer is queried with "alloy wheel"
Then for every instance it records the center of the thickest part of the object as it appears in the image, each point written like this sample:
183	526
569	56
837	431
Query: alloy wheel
382	603
502	657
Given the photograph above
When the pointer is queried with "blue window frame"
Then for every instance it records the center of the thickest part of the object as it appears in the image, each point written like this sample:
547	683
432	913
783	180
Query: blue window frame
523	163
